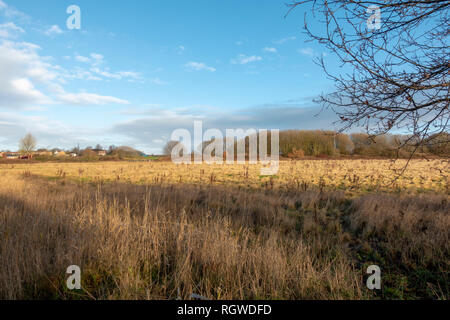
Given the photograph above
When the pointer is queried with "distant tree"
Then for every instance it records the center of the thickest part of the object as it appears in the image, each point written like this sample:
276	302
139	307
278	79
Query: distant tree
76	150
128	151
124	152
89	154
312	143
167	151
111	149
344	144
381	146
361	142
438	145
210	143
98	147
27	144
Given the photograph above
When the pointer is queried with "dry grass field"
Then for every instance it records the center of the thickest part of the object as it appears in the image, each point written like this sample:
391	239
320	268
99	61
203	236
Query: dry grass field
351	176
155	230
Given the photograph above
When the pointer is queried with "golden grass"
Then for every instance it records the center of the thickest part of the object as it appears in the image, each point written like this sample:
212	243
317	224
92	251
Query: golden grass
145	235
352	176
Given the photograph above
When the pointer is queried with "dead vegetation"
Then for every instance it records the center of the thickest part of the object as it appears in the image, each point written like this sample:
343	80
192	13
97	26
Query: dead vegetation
164	241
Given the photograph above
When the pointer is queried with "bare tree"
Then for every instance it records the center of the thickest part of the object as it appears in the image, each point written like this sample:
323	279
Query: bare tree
27	144
394	75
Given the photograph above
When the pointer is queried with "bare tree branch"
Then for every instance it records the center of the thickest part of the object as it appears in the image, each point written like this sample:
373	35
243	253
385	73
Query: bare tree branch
397	78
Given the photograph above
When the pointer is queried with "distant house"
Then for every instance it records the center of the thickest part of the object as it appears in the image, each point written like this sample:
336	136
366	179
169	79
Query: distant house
12	155
99	152
44	153
73	155
2	154
59	154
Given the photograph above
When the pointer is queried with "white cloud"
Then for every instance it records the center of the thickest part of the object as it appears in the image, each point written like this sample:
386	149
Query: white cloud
11	12
94	72
159	82
28	80
49	132
53	30
243	59
23	75
14	125
10	30
86	99
97	56
306	51
270	49
81	74
130	75
199	66
281	41
24	87
94	59
82	59
106	73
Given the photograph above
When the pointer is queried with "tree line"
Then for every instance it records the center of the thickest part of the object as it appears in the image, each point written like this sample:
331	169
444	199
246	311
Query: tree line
297	144
27	147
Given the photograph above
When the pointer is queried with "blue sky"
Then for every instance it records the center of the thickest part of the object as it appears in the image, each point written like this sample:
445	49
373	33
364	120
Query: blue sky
137	70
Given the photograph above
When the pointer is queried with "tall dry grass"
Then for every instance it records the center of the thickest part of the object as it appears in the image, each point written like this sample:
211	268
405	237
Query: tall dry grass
164	242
